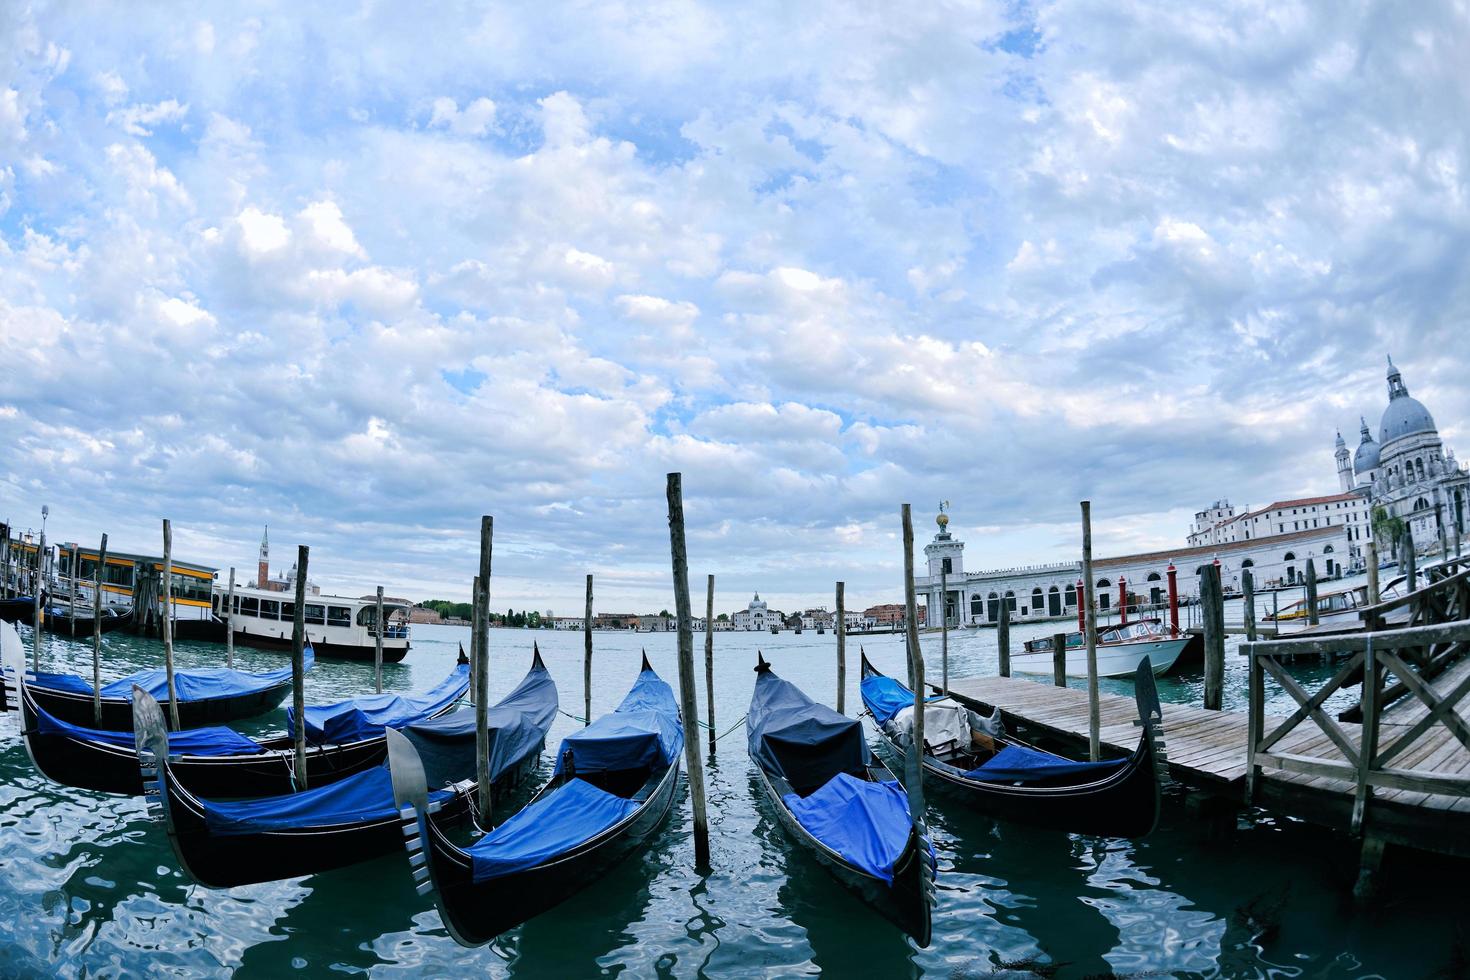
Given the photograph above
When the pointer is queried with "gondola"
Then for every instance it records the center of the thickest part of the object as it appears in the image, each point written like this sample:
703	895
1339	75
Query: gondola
612	789
974	760
206	696
344	739
838	801
19	609
59	620
222	844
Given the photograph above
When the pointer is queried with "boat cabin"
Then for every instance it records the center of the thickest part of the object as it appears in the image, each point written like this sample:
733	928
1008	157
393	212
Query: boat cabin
337	626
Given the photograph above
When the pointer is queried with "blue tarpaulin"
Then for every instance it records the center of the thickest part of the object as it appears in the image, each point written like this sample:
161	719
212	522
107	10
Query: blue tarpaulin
360	798
1015	763
791	735
190	685
866	822
644	731
367	716
885	697
565	818
216	740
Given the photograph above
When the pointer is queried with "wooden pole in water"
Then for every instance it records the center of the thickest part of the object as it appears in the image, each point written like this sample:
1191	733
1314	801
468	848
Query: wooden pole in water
378	627
1212	611
687	698
37	593
1003	637
944	631
709	659
587	655
474	637
76	554
482	667
1406	563
1248	610
168	623
915	774
1313	618
1059	659
230	621
97	633
841	647
298	665
1372	571
1094	714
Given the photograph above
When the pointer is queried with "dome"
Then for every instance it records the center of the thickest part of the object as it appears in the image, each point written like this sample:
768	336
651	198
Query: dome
1404	417
1365	460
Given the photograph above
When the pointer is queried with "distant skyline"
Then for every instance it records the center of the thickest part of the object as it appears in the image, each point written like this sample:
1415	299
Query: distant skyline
365	272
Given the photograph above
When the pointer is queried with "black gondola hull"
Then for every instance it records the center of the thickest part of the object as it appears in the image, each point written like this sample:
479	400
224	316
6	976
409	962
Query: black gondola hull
18	610
85	625
322	648
477	913
117	713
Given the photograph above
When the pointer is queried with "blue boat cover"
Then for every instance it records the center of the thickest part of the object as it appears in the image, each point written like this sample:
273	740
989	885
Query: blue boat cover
644	731
885	697
791	735
205	684
564	818
366	717
1019	764
866	822
359	798
216	740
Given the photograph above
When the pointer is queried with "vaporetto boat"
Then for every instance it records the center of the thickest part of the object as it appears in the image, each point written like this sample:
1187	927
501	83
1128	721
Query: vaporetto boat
337	626
1120	649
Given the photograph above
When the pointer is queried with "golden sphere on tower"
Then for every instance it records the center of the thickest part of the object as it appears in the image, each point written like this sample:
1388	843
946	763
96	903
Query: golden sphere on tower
942	520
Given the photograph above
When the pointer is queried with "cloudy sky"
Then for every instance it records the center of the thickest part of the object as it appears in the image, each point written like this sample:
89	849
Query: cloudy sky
368	275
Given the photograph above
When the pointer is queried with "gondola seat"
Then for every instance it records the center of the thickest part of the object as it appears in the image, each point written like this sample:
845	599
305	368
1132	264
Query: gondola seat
867	822
1019	764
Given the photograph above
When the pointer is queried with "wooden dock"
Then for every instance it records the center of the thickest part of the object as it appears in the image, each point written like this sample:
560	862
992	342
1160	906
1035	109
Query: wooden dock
1303	771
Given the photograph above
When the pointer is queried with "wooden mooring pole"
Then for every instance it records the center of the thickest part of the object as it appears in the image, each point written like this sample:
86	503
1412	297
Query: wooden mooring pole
38	593
76	554
1313	617
1003	637
1059	659
379	626
298	666
841	647
1406	562
168	623
97	633
587	655
1248	609
944	632
481	647
230	621
1094	714
915	768
1372	571
689	707
709	659
1212	613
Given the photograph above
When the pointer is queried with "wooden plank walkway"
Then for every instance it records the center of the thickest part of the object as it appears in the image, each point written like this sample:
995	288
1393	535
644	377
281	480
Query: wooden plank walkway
1207	751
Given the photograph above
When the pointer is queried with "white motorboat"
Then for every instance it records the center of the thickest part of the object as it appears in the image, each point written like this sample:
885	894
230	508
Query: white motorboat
1120	649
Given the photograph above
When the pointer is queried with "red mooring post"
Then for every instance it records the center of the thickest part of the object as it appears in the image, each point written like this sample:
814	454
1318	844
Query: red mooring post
1173	598
1081	609
1122	601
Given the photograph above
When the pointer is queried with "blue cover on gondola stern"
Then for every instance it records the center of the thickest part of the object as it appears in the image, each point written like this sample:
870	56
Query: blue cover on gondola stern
359	798
644	731
866	822
885	697
216	740
553	825
1015	763
367	716
793	736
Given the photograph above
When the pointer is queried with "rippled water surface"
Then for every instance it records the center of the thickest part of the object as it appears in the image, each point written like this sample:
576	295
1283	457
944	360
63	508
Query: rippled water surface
88	886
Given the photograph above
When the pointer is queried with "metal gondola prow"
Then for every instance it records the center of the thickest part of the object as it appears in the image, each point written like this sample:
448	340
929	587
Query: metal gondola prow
13	665
411	797
150	735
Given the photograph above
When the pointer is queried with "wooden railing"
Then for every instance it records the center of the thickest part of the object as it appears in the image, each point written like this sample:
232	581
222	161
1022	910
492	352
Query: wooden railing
1364	761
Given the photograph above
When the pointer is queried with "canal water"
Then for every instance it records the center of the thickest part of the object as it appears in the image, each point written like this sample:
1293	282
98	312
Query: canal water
89	887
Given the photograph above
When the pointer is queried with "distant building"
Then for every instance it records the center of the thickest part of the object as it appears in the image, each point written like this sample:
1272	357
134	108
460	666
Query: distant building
263	578
567	622
1349	510
755	616
418	614
615	621
888	614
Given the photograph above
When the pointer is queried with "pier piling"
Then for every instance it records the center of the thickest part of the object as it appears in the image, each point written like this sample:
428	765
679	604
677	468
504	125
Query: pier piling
915	773
841	647
1059	659
1090	637
38	592
1173	574
1313	617
1212	613
97	633
298	666
76	554
1406	562
709	659
587	655
1372	571
1003	637
378	645
167	591
680	561
1248	610
944	631
481	648
230	621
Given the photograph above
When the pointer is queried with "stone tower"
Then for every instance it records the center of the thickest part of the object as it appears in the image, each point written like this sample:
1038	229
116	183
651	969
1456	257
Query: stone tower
263	571
1344	465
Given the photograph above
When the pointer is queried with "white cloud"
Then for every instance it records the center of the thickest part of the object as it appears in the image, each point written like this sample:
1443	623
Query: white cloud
474	120
137	120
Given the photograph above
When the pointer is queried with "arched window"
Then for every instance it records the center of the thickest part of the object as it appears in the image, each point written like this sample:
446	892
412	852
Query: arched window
994	607
1248	563
1153	576
1054	601
977	605
1419	466
1010	600
1103	583
1037	602
1071	594
1327	550
1421	504
1289	556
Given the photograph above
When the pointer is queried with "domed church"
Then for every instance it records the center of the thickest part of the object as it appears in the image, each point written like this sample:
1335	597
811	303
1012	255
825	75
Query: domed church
1407	470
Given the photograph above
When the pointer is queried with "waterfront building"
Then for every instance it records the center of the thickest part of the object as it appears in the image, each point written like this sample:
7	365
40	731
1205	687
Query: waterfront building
1220	524
889	614
1051	591
755	616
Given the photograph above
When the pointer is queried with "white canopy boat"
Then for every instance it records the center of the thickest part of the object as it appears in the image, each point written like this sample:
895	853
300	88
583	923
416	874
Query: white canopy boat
1120	649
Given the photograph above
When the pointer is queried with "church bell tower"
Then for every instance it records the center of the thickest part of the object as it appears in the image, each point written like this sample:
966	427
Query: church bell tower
1344	465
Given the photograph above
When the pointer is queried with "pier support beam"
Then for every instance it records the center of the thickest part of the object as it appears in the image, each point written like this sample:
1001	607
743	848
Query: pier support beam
1212	610
1003	637
1312	617
1059	659
1372	560
298	665
1370	862
1248	589
97	633
587	655
1094	712
841	646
